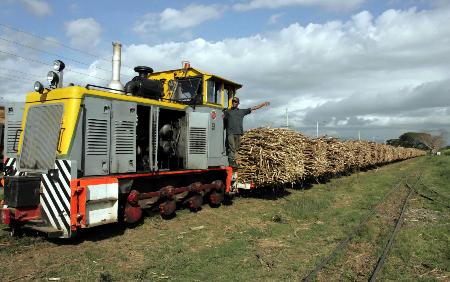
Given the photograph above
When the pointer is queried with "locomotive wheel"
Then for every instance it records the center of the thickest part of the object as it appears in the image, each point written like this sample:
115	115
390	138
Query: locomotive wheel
15	231
216	199
167	209
194	203
132	214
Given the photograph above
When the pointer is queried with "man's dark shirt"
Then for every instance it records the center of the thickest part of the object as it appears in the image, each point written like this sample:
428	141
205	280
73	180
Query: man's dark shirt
234	120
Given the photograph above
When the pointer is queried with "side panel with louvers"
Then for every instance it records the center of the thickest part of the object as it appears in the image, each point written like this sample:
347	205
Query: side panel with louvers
97	136
197	140
41	137
123	137
216	141
13	124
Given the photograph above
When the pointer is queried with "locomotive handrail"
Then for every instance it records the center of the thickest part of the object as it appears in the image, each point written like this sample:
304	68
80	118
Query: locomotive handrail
89	86
59	139
15	139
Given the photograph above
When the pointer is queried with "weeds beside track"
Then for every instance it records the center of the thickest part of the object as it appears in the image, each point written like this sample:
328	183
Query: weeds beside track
265	239
342	244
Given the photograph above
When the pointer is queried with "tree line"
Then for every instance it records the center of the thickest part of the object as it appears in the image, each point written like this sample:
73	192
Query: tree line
420	140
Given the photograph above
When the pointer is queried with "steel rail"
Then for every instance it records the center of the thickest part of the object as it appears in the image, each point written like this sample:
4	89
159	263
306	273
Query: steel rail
434	191
398	224
354	232
429	198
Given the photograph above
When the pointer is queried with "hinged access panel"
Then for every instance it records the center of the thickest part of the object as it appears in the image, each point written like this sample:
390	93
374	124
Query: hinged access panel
197	140
97	136
123	137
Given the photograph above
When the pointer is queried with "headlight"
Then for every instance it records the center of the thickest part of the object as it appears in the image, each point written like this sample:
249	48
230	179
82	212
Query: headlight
38	87
58	65
53	78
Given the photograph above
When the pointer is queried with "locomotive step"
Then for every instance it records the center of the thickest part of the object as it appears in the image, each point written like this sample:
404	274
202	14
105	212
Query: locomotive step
50	231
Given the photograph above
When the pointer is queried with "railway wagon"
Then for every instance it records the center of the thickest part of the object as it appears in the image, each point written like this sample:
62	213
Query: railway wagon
92	155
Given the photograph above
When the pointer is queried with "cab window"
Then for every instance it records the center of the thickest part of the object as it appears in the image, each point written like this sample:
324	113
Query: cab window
188	89
229	93
214	90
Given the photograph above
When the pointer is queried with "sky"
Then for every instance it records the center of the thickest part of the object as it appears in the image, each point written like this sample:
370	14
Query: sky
374	69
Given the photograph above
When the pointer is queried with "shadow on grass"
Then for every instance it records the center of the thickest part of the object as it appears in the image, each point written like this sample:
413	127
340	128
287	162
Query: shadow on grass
102	232
266	193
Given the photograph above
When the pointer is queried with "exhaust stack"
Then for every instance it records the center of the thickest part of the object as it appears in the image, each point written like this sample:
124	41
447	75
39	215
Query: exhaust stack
116	60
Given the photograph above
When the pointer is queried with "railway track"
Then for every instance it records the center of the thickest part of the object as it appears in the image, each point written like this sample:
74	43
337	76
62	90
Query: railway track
415	178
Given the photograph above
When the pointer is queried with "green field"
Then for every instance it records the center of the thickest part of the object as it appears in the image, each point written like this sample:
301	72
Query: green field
264	237
446	152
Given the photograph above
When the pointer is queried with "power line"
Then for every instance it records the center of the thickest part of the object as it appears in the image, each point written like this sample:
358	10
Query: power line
53	41
16	78
25	58
50	40
85	74
30	76
47	64
56	55
22	78
18	71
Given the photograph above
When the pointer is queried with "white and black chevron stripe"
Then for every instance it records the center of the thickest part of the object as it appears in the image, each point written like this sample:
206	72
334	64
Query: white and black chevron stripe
11	162
55	199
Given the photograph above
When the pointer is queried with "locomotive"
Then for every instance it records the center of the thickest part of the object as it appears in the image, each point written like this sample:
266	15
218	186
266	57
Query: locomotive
91	155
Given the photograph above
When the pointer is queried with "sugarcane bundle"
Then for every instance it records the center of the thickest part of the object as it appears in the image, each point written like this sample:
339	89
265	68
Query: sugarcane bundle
368	152
277	156
335	156
271	156
379	153
348	153
387	153
373	154
357	158
316	161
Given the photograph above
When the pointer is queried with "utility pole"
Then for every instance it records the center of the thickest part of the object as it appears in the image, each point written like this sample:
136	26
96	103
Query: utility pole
317	130
287	118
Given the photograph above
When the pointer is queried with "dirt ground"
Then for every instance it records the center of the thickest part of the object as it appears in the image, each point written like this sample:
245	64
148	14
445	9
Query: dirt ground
258	238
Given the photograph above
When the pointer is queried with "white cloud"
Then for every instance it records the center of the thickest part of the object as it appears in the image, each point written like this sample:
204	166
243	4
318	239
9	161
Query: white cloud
172	19
429	95
369	71
273	4
39	8
387	73
190	16
84	33
274	18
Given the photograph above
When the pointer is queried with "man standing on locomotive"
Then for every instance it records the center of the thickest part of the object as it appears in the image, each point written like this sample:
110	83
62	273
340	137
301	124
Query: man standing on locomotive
234	119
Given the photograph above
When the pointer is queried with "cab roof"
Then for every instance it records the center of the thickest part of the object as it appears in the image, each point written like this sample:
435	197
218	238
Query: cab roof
236	85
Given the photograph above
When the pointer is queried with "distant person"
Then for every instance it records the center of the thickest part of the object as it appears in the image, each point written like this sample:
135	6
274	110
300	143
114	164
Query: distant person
234	119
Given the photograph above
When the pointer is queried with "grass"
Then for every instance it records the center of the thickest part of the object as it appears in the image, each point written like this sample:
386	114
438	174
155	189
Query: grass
261	238
422	250
446	152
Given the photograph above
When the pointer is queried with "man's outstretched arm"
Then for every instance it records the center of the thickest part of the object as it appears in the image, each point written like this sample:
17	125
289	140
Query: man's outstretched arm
265	104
